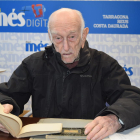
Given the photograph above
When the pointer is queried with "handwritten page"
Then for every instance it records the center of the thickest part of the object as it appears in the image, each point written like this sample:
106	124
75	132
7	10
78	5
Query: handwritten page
130	134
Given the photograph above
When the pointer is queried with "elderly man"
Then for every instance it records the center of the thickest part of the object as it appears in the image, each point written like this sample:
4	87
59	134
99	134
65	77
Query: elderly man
71	80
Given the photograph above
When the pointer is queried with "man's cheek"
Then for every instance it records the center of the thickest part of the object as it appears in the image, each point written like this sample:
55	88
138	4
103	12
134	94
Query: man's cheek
58	50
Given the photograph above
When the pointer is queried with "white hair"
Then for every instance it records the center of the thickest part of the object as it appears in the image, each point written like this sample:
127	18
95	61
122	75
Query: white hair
67	9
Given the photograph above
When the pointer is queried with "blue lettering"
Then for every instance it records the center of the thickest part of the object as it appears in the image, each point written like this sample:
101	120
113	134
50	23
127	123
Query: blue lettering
128	70
29	46
34	47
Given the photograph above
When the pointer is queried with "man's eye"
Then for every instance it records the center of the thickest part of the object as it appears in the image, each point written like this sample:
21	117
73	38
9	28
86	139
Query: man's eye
57	37
72	36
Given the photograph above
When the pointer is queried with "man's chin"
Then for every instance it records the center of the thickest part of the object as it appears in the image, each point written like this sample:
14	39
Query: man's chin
68	61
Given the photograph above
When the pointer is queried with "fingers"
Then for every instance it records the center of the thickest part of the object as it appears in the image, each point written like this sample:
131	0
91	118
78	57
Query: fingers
7	108
1	126
90	126
3	129
101	127
96	132
98	135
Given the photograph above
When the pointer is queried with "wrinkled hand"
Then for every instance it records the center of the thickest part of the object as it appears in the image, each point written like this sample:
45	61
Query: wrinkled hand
102	127
7	109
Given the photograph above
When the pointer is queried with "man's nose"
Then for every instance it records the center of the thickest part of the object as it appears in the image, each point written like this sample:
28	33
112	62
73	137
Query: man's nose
66	46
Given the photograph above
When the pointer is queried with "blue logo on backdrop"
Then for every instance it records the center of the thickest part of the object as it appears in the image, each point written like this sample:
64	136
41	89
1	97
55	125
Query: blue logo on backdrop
35	47
12	19
128	70
27	16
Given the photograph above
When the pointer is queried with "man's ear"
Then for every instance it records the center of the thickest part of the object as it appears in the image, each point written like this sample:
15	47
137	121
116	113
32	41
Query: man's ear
84	36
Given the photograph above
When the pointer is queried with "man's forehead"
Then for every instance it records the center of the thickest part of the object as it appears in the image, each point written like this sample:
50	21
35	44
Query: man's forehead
57	33
65	23
65	19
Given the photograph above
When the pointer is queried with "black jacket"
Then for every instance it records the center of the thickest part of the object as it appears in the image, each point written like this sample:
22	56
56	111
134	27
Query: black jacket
81	92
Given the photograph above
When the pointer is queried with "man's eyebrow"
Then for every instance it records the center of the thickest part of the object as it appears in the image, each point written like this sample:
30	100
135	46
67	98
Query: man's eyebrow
54	32
72	31
57	34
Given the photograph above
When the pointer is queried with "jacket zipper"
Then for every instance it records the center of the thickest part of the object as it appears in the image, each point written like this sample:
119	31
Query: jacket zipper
67	74
64	77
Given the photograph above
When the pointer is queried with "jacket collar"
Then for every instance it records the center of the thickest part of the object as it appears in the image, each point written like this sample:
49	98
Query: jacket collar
84	55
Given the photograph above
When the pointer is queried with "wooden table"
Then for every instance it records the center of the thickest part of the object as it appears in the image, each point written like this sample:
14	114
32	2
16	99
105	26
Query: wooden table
25	120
